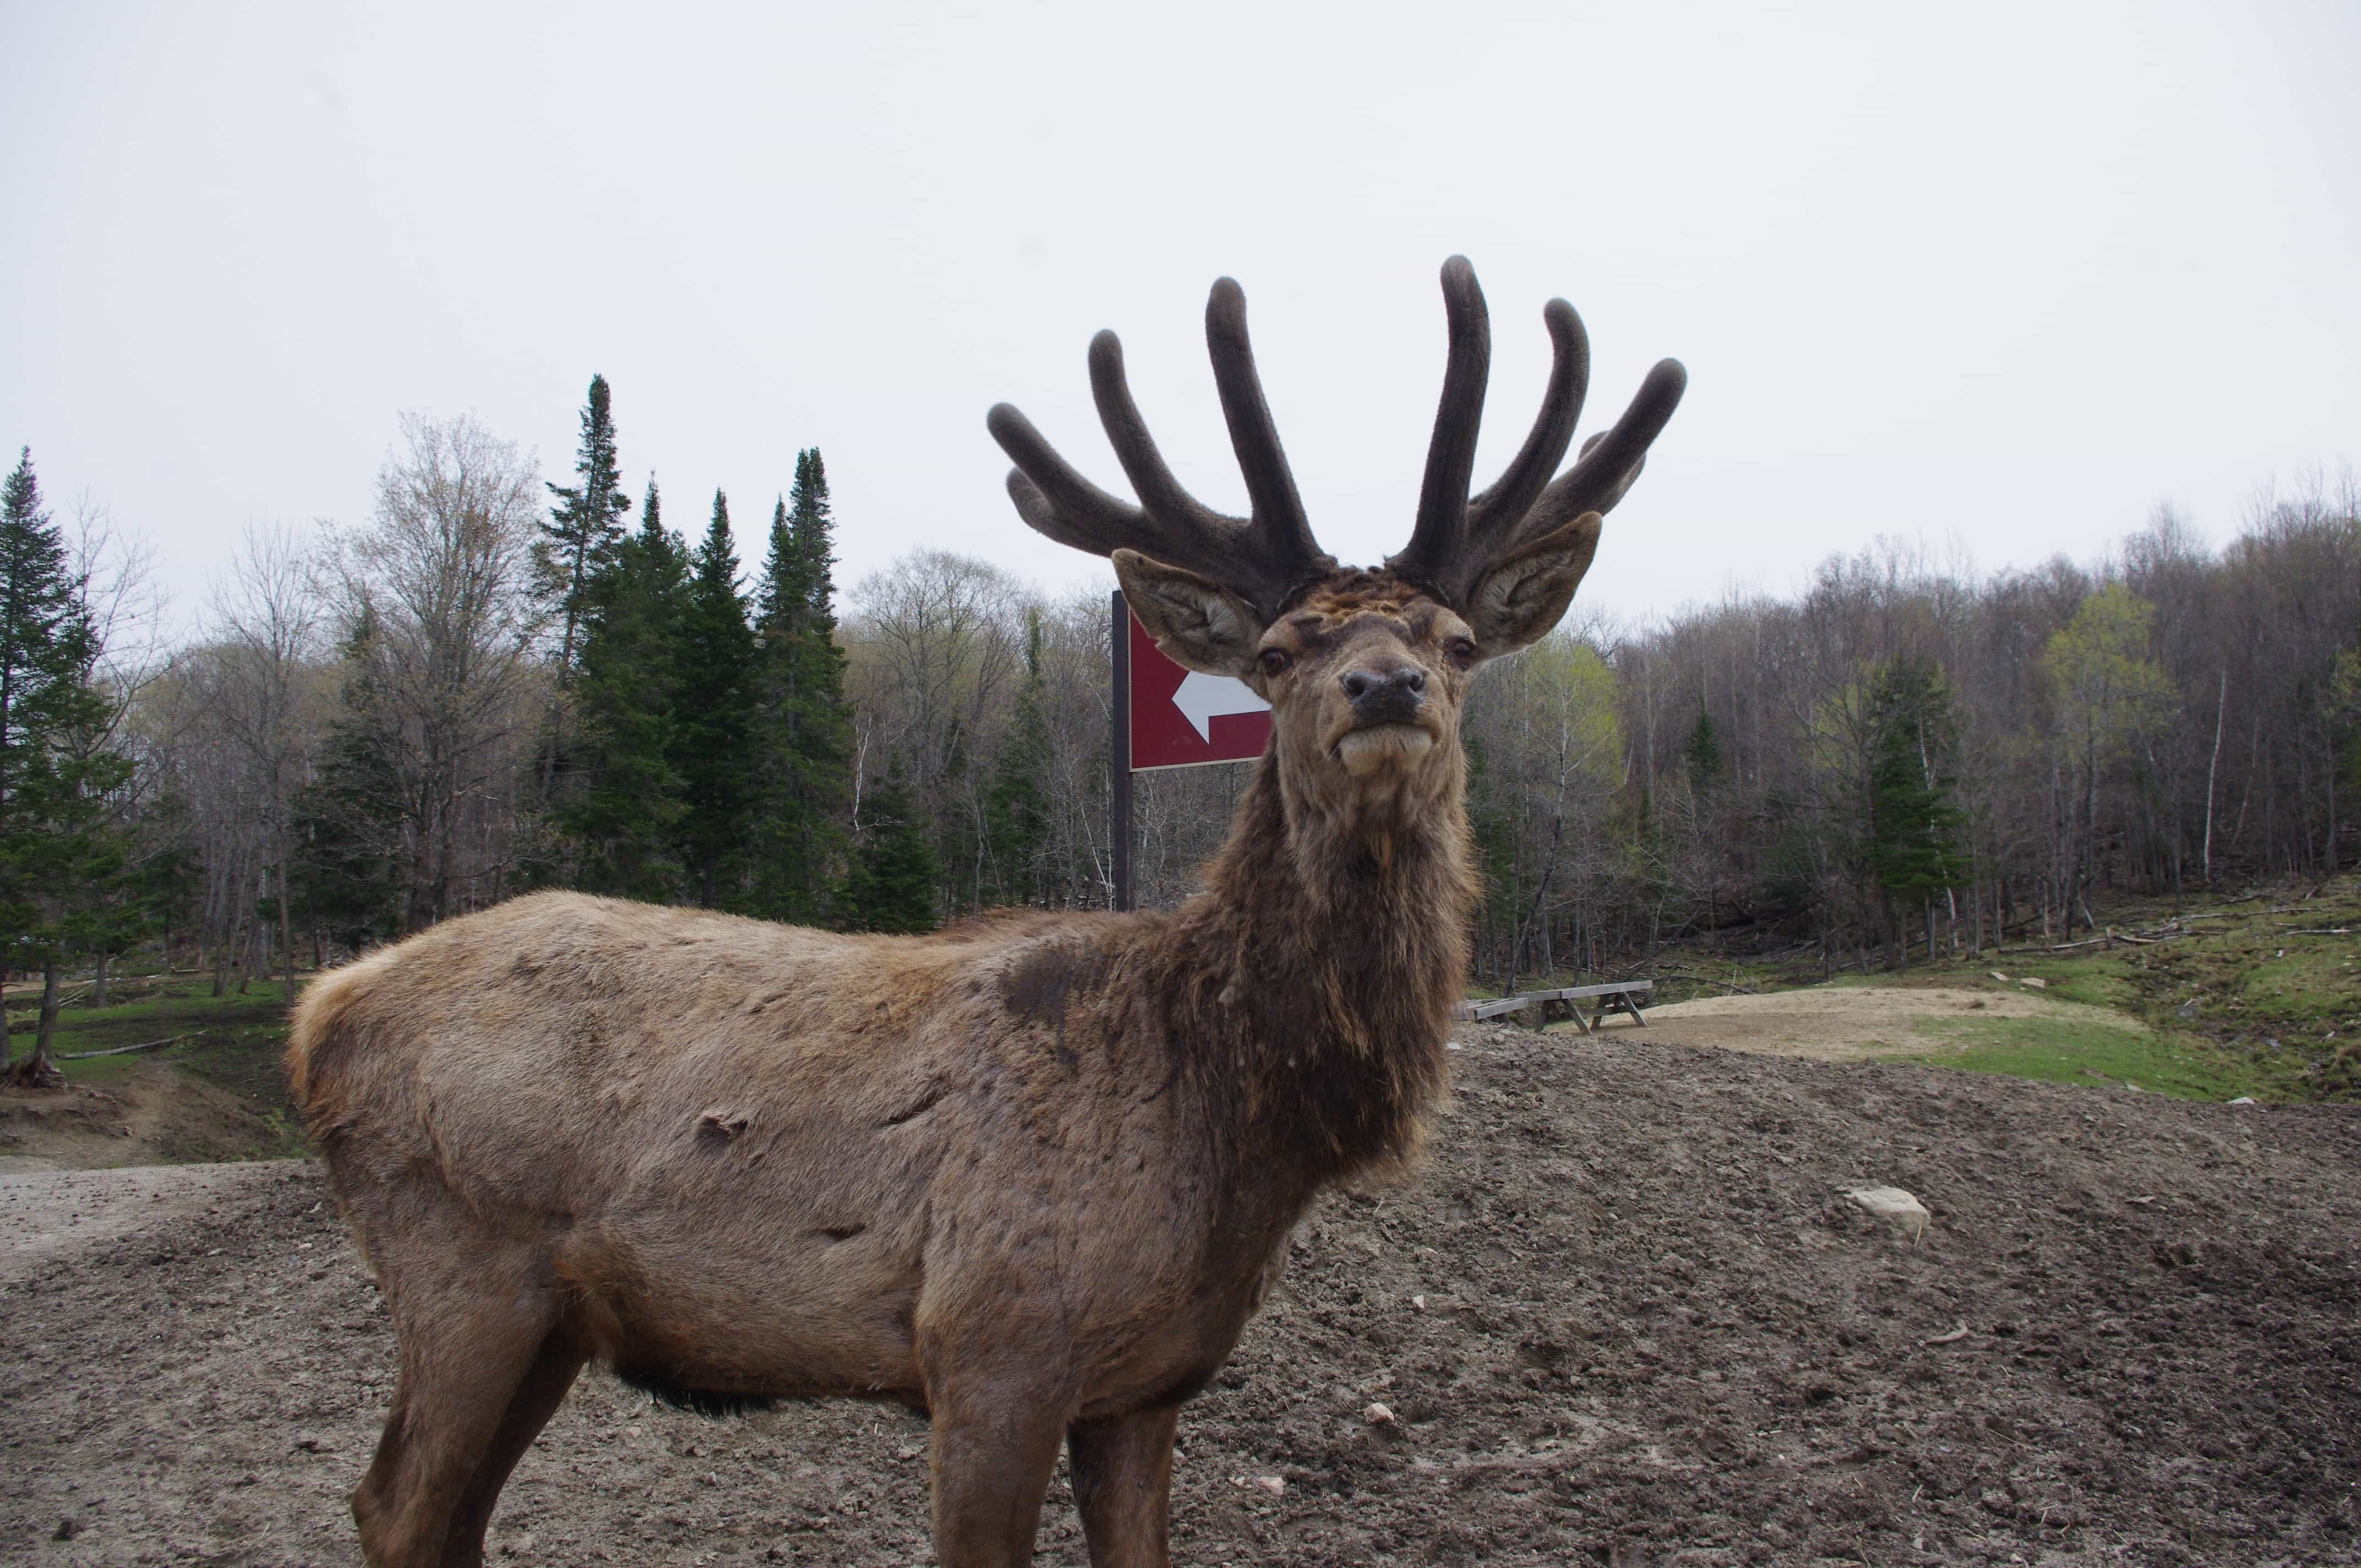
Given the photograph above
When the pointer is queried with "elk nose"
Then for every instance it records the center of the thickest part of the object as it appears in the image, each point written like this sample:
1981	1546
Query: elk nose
1385	696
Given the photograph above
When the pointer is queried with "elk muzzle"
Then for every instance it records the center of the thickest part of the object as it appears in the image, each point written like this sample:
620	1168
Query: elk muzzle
1387	699
1387	696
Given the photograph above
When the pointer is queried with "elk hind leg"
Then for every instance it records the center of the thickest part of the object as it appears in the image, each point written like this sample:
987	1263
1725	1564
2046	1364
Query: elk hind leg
467	1356
1123	1486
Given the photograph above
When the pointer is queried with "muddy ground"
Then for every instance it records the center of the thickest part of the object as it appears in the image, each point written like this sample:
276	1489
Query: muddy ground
1623	1315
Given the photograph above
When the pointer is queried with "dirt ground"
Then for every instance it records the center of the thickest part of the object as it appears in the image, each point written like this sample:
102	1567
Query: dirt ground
1624	1314
1853	1023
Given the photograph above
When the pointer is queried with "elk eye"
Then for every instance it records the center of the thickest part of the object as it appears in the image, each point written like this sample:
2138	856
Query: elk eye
1274	660
1462	651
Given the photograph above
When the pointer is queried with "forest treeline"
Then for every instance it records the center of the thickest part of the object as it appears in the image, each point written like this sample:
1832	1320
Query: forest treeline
497	684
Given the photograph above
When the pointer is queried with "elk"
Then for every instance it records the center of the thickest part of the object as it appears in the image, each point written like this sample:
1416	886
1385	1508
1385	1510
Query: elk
1030	1176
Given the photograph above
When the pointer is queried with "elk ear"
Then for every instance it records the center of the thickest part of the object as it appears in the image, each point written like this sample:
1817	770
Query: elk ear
1198	622
1523	594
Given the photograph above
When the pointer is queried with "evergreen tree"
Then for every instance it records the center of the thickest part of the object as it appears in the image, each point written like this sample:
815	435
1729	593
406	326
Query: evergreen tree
712	739
64	864
586	528
804	725
43	640
891	885
1915	824
344	879
1702	755
620	818
1017	803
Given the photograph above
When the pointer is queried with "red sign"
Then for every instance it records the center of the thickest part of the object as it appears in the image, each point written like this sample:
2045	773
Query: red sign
1182	717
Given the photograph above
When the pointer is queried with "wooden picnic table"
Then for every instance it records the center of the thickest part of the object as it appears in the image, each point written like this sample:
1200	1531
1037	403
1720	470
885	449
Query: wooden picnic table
1617	996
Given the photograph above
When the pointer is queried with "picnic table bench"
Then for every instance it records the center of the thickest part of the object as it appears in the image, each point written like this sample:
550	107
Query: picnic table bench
1620	996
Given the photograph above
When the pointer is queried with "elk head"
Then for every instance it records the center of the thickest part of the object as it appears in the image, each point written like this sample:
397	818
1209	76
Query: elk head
1364	669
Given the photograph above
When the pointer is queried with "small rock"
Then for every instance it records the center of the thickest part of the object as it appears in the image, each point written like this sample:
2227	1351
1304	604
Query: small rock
1419	1302
2245	1099
1274	1485
1897	1208
68	1528
2037	984
2000	977
1377	1415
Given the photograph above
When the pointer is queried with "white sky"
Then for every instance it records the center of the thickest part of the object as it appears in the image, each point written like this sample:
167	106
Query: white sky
2007	274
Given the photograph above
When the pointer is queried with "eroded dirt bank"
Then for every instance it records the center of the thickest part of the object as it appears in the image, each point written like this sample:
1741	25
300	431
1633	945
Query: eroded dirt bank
1651	1331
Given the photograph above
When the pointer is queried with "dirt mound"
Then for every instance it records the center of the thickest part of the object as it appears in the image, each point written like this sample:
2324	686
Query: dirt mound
1623	1315
153	1115
1856	1023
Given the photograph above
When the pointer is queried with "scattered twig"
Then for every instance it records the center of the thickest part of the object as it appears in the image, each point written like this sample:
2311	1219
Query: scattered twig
125	1050
2317	930
1954	1337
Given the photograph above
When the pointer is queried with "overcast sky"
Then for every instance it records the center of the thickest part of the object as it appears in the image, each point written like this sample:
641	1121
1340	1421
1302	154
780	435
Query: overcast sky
2004	274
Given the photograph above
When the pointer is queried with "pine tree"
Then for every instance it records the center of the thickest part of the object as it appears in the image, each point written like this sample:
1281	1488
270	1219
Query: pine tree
586	528
1017	803
42	639
891	885
1702	755
64	861
1915	824
620	818
804	725
712	740
346	879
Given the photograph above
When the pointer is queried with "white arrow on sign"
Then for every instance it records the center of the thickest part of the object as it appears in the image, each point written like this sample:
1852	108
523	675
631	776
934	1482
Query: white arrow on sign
1204	698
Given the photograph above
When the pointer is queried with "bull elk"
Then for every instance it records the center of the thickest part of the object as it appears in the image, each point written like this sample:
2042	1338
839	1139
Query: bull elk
1032	1175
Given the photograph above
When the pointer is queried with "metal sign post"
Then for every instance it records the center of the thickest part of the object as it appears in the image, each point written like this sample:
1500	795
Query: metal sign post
1119	753
1168	716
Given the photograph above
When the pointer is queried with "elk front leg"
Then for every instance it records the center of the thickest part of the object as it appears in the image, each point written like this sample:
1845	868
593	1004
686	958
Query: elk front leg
995	1444
1123	1485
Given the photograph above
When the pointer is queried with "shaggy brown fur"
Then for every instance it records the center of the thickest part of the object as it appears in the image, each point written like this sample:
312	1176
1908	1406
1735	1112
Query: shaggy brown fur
1032	1175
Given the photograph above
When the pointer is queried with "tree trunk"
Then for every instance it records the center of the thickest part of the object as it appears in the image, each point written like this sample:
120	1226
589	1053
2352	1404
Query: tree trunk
35	1071
98	981
286	932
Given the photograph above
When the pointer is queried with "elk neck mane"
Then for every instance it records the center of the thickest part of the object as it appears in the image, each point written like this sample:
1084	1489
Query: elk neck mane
1307	991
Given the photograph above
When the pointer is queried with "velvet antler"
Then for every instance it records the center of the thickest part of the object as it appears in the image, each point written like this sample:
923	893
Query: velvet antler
1266	556
1457	536
1263	557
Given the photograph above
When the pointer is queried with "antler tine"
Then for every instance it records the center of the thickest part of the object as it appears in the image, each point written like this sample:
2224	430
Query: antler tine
1493	514
1160	494
1270	485
1055	498
1263	558
1440	536
1611	460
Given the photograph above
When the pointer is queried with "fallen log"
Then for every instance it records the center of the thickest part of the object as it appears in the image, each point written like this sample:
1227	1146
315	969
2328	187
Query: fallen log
125	1050
1708	979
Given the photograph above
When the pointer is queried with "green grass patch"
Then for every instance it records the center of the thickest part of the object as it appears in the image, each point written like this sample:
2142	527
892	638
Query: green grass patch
2089	1051
239	1038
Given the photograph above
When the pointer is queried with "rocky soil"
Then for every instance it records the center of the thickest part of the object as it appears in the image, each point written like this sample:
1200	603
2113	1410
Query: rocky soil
1624	1314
